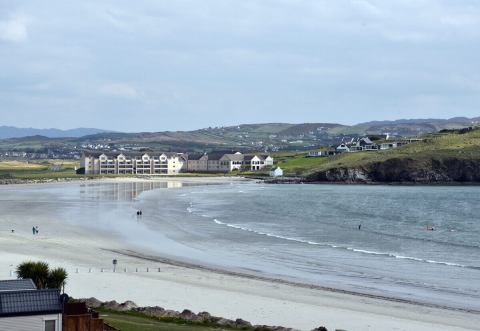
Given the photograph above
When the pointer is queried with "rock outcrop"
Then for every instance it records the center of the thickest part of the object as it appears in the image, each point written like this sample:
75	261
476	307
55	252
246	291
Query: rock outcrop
185	315
405	170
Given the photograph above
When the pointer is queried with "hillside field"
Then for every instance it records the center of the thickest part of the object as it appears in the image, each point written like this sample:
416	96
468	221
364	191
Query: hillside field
434	146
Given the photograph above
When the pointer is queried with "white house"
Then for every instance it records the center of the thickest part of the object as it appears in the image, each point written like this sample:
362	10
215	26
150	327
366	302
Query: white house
257	162
342	148
276	172
23	307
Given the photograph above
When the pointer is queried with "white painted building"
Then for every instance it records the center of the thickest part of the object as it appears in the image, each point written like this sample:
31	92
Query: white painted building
137	164
276	172
170	163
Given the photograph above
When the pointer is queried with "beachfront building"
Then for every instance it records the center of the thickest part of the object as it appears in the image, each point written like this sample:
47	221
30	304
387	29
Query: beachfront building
276	172
257	162
133	163
170	163
23	307
227	162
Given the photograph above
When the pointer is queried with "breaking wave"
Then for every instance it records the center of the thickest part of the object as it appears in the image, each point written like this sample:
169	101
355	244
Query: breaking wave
361	251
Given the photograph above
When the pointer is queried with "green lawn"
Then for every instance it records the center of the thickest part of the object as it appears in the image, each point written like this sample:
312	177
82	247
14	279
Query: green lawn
127	322
435	146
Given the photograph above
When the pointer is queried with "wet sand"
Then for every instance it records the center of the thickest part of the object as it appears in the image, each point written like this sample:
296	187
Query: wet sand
183	285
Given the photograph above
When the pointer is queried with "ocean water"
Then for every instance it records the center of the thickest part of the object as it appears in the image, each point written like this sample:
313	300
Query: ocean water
301	233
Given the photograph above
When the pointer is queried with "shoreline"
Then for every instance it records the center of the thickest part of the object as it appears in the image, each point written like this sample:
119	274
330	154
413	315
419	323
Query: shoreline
304	180
184	285
218	270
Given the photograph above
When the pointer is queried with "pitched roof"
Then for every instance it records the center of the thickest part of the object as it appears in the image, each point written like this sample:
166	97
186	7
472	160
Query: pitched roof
30	302
195	156
215	156
131	154
233	157
16	285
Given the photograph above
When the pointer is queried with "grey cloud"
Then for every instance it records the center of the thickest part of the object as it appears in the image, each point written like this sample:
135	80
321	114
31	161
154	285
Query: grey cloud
230	61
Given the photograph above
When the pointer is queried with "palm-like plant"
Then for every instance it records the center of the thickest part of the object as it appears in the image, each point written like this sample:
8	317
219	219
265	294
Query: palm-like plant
57	278
41	274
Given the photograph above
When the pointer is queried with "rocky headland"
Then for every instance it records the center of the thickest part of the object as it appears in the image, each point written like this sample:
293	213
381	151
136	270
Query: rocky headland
405	170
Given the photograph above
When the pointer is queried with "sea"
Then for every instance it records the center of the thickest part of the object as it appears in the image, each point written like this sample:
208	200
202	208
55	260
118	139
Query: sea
414	243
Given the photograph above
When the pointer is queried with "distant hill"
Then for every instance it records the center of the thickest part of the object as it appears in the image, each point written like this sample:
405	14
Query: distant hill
243	137
14	132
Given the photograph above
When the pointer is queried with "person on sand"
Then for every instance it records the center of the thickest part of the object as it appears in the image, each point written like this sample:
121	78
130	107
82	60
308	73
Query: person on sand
360	226
36	229
33	230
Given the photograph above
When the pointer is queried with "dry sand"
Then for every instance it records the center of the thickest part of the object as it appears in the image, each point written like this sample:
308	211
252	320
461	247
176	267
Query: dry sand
179	287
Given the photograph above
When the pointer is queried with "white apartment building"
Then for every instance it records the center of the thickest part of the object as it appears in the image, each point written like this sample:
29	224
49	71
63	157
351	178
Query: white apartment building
170	163
138	164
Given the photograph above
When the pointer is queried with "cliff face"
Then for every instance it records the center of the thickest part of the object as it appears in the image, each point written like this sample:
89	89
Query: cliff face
405	170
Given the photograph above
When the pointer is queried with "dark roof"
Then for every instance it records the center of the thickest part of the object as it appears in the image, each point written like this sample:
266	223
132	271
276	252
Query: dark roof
234	157
16	285
131	154
30	302
215	156
195	156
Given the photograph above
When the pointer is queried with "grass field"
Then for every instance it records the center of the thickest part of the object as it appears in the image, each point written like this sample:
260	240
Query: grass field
136	321
435	146
38	169
130	322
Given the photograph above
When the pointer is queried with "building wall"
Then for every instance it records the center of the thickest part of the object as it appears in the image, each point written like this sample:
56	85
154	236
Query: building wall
145	165
166	164
175	165
30	323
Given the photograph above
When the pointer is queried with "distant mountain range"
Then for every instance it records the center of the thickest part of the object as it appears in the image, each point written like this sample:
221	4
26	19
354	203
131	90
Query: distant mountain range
14	132
266	136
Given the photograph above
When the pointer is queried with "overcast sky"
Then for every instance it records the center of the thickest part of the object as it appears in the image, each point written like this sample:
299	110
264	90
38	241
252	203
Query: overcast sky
185	64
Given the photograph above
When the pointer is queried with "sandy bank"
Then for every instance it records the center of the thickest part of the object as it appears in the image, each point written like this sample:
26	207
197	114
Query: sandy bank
84	253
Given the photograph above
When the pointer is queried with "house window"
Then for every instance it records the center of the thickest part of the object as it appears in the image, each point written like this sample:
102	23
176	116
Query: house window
50	325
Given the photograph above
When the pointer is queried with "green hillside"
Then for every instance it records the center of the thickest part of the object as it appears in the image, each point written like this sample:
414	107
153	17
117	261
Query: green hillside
434	146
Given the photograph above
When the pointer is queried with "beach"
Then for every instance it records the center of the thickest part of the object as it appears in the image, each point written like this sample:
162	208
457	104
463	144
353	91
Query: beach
87	253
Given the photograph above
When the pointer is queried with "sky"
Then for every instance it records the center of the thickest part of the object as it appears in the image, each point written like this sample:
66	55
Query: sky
154	65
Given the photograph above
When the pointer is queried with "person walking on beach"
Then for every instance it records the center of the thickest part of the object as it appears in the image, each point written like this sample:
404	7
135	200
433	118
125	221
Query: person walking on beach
33	230
36	229
360	226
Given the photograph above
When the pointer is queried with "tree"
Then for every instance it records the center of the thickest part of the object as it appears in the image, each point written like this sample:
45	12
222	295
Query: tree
57	278
41	275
